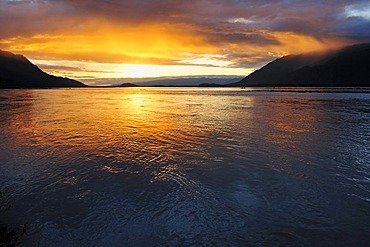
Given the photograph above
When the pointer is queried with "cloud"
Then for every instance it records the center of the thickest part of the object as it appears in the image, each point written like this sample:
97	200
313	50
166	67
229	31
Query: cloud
361	10
225	33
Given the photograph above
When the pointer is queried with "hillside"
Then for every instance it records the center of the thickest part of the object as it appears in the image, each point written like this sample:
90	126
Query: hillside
16	71
349	66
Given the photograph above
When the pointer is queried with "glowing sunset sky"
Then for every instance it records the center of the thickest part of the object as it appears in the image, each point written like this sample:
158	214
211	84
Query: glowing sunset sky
90	39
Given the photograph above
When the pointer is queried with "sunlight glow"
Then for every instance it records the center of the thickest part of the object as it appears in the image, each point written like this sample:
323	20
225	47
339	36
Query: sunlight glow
207	59
97	47
104	42
88	71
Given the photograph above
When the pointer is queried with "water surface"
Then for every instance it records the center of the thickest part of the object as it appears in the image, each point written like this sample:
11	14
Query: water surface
186	166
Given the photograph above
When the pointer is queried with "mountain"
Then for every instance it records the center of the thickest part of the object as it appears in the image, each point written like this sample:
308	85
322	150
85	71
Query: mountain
16	71
189	81
348	67
127	84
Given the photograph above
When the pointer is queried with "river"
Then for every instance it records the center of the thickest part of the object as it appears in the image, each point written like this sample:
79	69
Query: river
186	166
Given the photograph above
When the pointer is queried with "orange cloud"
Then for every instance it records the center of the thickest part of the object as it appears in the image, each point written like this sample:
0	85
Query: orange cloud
233	35
295	43
103	41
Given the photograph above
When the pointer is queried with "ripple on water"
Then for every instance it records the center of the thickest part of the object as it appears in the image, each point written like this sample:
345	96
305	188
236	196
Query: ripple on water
284	238
125	167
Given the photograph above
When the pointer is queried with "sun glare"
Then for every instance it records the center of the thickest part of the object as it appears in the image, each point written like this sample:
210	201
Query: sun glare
137	70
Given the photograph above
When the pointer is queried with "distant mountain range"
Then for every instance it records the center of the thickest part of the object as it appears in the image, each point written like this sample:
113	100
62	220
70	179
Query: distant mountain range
16	71
187	81
348	67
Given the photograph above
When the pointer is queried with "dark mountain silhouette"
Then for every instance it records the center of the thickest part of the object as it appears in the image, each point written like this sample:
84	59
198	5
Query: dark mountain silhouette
128	85
348	67
16	71
189	81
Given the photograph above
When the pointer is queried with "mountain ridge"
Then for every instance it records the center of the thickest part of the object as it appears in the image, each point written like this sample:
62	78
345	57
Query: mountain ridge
349	66
189	81
16	71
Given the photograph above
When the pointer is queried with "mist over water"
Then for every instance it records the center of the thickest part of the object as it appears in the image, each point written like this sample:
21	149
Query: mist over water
185	166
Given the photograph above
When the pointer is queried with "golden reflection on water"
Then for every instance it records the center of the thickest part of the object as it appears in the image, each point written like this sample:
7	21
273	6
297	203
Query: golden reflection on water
292	126
87	118
289	119
140	126
157	126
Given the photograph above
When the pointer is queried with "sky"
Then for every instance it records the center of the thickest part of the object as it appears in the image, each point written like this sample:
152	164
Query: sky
97	40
